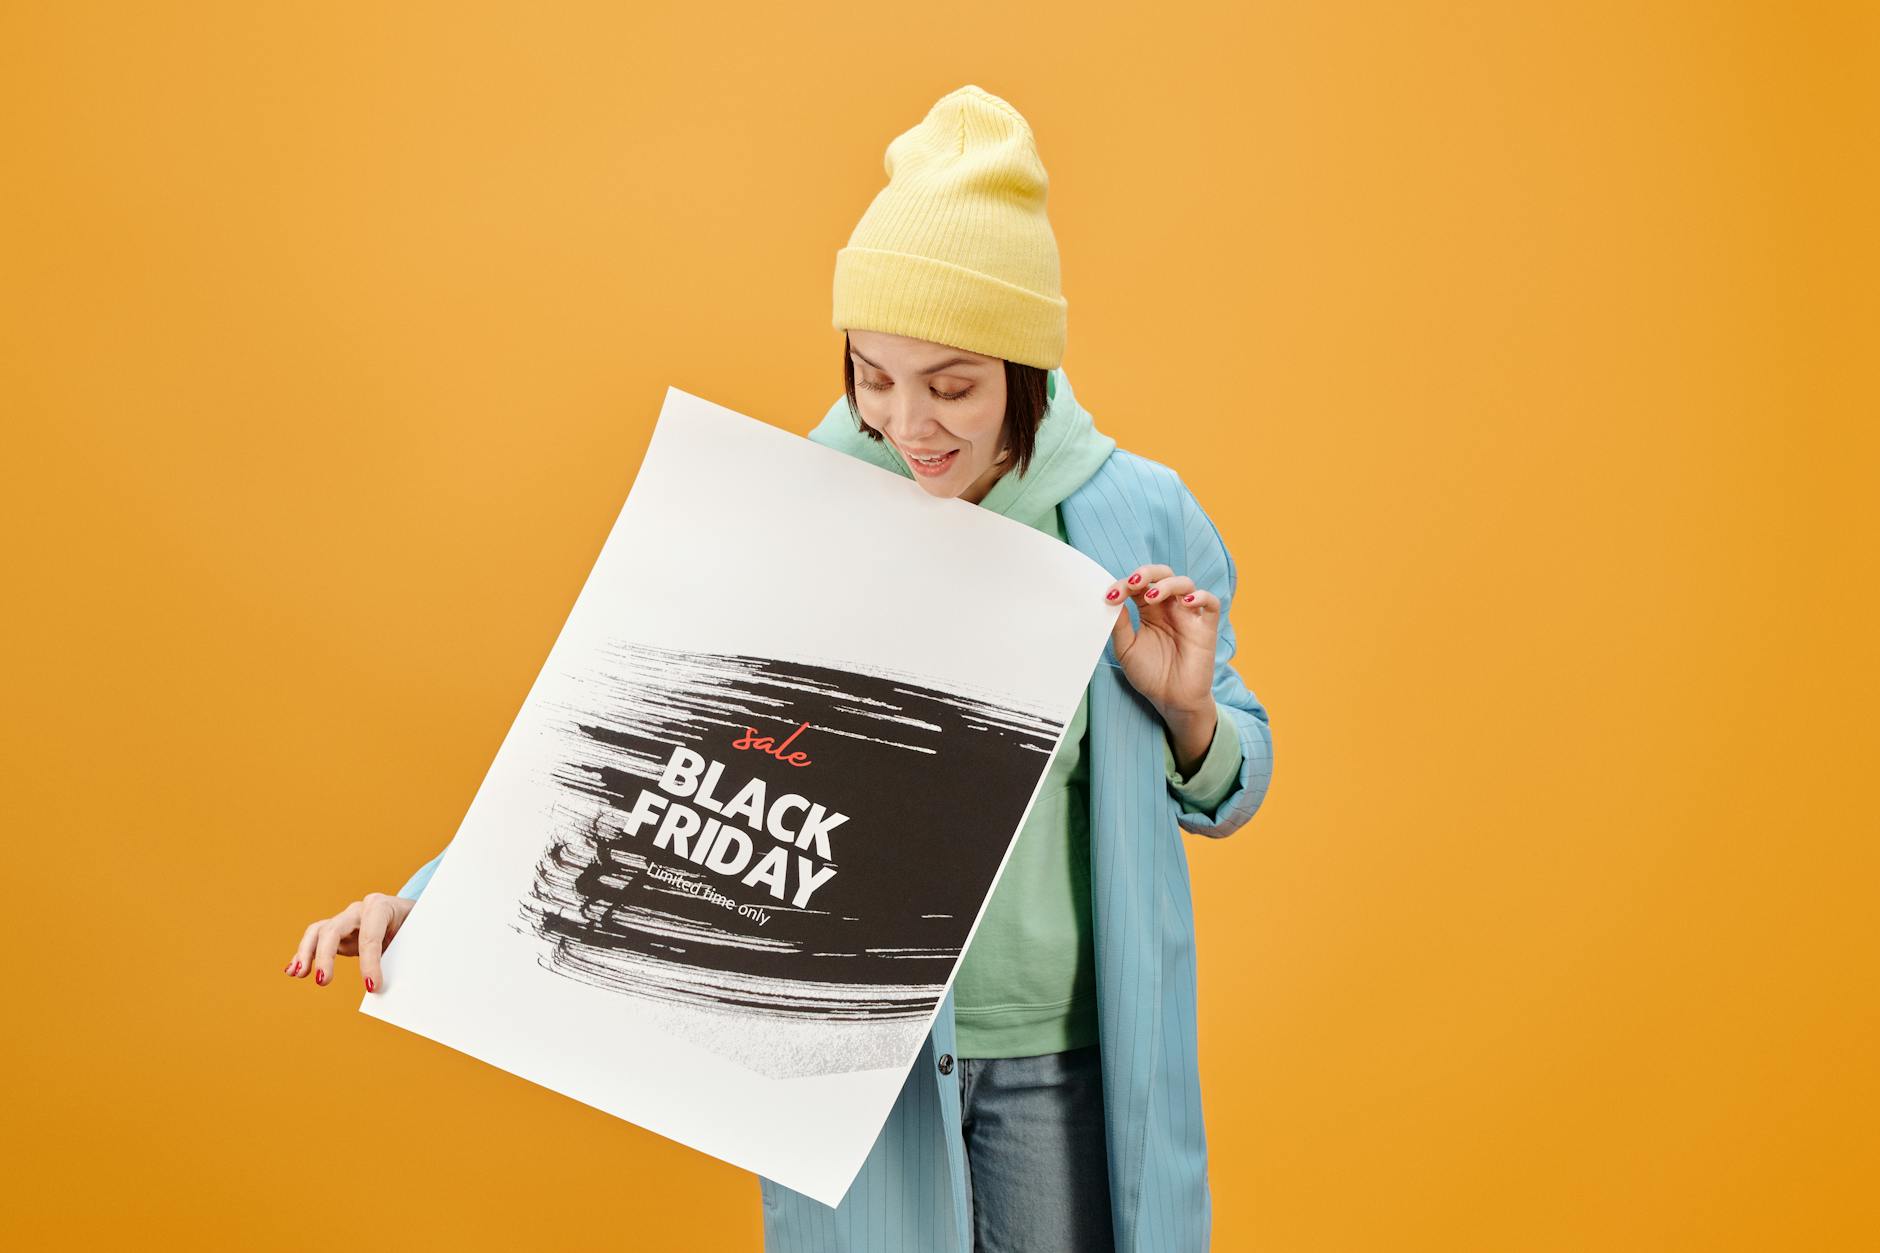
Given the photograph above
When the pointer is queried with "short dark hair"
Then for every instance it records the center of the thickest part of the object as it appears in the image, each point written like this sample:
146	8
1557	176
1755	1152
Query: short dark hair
1025	402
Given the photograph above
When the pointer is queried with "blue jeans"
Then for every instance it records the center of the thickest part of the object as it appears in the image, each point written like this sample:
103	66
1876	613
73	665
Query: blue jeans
1037	1177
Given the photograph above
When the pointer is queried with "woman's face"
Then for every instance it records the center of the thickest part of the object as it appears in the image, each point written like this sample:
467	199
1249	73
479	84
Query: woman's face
927	398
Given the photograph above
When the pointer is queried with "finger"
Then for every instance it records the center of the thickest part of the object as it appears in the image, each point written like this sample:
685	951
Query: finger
1202	602
1164	590
1122	632
302	964
373	924
1142	578
346	920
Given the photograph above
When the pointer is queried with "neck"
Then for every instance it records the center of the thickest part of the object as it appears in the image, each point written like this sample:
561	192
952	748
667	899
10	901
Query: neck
976	492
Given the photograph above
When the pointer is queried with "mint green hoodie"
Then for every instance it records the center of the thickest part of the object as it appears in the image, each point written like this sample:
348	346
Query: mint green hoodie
1027	983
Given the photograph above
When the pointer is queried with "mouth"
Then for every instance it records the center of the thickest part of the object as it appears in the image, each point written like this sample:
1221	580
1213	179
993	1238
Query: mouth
933	466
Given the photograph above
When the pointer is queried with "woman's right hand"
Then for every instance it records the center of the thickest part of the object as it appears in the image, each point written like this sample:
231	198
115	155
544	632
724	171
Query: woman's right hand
361	930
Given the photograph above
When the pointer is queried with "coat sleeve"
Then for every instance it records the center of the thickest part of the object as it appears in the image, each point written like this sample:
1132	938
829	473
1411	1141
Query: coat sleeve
420	879
1211	566
1219	770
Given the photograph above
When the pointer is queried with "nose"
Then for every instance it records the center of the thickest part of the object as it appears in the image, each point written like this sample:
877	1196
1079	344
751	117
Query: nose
909	419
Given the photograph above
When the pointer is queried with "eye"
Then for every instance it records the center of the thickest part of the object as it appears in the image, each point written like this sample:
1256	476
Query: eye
882	387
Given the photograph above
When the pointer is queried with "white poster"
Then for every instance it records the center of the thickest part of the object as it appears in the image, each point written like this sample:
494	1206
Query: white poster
721	872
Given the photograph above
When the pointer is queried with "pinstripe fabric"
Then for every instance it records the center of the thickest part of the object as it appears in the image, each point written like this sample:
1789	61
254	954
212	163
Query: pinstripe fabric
910	1195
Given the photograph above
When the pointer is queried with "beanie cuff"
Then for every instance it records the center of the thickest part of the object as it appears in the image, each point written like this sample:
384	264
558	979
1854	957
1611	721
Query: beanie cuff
901	293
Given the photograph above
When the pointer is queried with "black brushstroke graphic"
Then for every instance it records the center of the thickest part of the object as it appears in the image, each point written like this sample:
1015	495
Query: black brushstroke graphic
932	782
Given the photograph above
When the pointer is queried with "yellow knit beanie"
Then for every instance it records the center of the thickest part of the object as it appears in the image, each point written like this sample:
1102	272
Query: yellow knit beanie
957	248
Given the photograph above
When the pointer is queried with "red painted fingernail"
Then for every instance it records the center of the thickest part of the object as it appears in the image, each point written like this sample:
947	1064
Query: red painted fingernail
319	977
1150	594
368	983
296	969
1135	578
1190	596
1110	595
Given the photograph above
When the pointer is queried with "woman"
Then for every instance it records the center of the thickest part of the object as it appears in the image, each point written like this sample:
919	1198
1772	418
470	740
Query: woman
1055	1104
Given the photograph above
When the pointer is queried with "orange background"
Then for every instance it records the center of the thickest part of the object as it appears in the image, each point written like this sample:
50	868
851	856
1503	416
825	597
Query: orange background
1524	356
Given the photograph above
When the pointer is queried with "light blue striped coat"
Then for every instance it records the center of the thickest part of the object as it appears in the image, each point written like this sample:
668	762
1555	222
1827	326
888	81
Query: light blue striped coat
910	1196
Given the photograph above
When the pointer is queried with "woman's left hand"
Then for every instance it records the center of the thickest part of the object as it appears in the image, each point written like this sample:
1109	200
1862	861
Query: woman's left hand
1169	658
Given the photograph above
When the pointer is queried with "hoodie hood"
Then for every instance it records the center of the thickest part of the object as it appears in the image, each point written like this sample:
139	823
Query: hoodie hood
1069	451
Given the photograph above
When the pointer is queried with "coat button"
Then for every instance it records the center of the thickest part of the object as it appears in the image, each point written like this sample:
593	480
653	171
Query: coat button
946	1063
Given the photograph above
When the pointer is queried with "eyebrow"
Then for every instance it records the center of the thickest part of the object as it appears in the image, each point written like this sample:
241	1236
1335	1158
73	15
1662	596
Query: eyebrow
932	369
